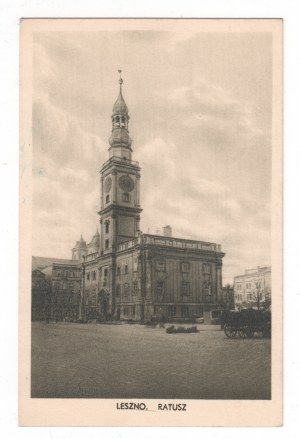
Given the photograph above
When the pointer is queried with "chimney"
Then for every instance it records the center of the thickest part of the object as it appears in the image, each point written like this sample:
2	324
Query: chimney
167	231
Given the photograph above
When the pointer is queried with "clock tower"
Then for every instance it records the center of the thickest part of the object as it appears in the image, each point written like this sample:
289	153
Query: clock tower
120	183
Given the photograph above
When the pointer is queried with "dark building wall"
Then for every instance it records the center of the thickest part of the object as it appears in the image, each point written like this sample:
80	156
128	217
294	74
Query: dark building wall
41	296
181	284
128	285
66	291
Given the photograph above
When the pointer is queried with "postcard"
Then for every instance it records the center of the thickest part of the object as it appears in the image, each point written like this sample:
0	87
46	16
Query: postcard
150	222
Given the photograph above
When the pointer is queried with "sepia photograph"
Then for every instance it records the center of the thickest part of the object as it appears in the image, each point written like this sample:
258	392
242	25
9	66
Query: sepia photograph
150	180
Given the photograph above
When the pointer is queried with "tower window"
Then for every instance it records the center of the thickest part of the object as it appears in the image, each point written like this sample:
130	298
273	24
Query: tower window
126	197
106	243
107	199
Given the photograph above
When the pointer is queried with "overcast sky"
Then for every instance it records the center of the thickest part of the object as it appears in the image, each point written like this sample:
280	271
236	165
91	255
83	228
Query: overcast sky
200	108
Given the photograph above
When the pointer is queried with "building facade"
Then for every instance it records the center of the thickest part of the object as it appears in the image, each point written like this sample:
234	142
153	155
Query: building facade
253	288
40	296
65	291
129	275
56	291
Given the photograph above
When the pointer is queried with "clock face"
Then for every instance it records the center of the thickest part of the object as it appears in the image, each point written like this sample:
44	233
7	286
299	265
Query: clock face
126	183
107	184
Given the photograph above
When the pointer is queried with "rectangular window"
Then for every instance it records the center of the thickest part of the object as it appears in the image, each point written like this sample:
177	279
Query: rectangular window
88	276
185	288
135	265
185	267
206	268
126	197
184	311
133	310
206	288
118	290
135	287
105	272
160	265
106	243
160	288
126	289
185	277
171	310
126	269
93	275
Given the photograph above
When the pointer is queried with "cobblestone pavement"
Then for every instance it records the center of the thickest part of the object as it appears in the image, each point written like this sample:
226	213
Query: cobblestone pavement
134	361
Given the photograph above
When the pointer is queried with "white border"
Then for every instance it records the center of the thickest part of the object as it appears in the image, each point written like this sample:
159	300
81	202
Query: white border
9	17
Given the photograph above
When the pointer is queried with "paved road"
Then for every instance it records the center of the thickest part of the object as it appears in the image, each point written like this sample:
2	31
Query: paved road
133	361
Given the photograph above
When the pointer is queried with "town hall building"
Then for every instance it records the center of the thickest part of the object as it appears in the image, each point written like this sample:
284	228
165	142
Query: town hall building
130	275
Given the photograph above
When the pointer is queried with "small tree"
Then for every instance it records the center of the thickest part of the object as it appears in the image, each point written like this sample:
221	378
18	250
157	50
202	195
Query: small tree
257	295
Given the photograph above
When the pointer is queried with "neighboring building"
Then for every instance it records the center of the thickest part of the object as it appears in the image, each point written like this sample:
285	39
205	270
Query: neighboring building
80	250
56	291
133	276
41	296
167	231
227	298
66	290
41	262
253	289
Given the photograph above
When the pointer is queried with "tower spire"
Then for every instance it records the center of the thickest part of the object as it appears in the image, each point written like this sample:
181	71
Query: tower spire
120	79
120	140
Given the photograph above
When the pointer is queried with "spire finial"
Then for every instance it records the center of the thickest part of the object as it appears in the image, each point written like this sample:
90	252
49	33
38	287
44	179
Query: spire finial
120	79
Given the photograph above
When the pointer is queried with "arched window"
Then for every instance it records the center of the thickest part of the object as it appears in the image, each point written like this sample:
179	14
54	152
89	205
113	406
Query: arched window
107	199
106	226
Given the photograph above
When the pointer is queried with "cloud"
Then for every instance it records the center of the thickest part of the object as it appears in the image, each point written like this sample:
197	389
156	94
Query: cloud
201	134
